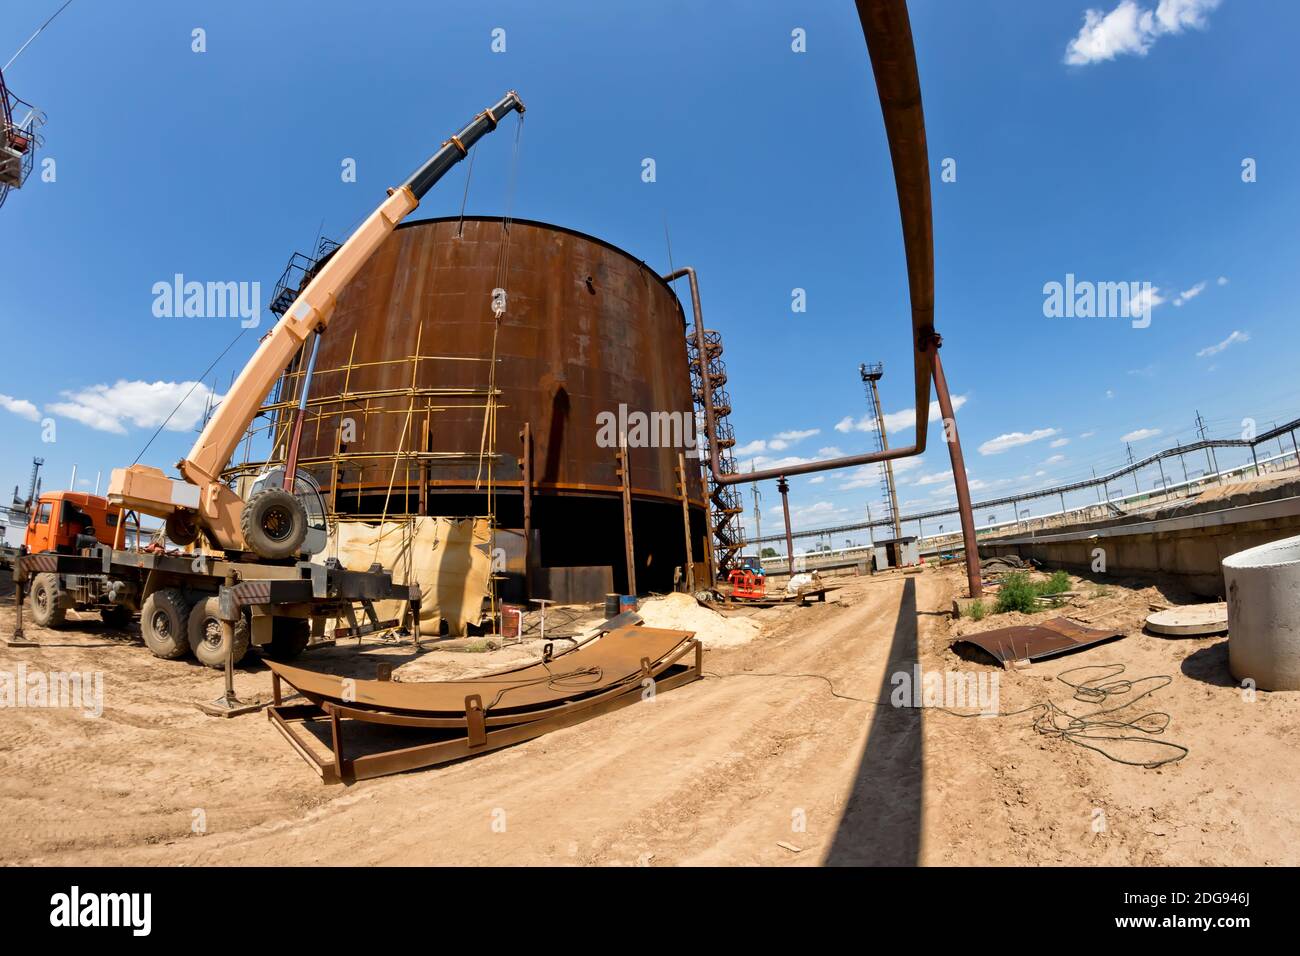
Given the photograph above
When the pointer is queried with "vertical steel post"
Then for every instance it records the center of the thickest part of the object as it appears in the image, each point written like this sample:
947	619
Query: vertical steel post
686	524
969	543
783	486
624	472
526	436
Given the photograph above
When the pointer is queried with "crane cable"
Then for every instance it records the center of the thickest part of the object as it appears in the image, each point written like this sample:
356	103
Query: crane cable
38	32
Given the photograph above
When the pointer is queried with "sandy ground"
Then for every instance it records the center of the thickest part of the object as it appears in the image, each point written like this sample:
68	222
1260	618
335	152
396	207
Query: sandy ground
722	771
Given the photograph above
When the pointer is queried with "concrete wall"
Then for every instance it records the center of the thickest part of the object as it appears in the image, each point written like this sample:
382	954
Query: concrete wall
1186	547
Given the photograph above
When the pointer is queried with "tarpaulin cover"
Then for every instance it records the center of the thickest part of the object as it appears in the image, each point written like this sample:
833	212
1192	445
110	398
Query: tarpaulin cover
447	557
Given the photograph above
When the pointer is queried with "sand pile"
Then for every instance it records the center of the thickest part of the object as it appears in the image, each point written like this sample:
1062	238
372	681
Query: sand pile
683	613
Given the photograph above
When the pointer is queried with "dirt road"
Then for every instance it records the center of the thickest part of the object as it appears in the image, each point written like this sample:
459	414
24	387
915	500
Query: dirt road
722	771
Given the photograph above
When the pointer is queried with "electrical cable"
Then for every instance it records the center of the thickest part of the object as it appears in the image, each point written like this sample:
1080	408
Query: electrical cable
188	394
1054	721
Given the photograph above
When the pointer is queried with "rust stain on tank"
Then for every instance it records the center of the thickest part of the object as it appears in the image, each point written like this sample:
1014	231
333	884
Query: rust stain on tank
587	328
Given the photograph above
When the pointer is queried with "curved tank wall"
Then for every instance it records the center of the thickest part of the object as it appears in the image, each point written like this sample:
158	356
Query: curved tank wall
590	337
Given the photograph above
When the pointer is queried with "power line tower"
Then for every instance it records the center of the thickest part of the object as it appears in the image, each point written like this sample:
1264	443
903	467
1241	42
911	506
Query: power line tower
758	520
871	374
1210	458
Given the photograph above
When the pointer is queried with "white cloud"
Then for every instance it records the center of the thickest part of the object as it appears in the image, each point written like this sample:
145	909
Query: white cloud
818	510
110	408
1191	293
1233	339
995	446
1140	434
1061	442
870	476
935	478
1087	435
1148	298
1222	280
1110	393
816	479
895	421
779	442
20	407
1130	28
830	451
1054	460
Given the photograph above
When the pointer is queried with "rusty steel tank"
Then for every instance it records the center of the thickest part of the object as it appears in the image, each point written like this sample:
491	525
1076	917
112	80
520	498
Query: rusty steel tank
591	344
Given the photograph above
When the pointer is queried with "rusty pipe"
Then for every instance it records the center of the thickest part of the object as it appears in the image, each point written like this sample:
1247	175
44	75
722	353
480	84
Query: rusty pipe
958	475
888	32
783	486
846	461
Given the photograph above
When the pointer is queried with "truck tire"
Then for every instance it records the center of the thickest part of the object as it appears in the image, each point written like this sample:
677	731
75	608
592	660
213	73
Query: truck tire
204	631
164	624
274	524
181	528
47	600
289	638
117	615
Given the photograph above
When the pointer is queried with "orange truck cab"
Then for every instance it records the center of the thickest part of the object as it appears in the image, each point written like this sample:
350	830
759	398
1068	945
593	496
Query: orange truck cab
64	522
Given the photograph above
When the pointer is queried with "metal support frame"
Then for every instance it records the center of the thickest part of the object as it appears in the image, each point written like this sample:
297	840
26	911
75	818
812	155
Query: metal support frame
476	731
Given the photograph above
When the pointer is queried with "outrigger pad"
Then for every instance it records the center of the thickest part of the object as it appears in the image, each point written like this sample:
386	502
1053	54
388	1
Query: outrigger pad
463	718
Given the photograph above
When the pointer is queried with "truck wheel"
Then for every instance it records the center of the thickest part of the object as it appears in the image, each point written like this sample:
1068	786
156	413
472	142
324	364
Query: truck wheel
204	631
164	623
47	600
289	638
274	523
119	615
181	528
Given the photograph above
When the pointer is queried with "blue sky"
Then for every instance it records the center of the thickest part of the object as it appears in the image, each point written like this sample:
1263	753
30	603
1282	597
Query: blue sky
772	173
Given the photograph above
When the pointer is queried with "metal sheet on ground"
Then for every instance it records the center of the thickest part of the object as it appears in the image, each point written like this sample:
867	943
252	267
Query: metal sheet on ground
1034	642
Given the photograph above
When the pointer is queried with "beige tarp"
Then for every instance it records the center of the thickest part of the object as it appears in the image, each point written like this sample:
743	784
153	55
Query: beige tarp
447	557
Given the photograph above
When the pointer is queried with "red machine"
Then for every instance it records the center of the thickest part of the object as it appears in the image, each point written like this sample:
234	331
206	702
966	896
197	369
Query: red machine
746	585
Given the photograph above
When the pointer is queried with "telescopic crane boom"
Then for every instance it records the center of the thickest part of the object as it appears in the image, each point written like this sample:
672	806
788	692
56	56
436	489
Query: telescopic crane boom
273	522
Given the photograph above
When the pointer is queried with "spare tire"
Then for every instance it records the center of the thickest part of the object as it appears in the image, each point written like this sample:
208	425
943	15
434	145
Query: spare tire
274	524
182	528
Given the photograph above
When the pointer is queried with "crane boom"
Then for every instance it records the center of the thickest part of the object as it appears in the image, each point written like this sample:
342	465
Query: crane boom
215	508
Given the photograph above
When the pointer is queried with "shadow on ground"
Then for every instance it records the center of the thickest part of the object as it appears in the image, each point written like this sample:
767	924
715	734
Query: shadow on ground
881	825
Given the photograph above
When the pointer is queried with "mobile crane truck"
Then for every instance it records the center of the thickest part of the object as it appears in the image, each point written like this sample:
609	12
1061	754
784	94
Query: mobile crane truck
264	543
